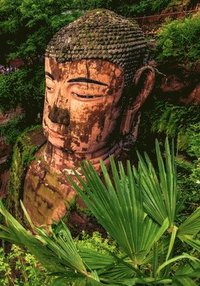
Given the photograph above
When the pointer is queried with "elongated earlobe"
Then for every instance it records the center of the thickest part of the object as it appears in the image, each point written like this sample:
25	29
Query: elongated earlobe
143	81
143	84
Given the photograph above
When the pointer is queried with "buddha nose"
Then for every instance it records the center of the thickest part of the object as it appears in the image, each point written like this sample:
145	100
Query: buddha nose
59	115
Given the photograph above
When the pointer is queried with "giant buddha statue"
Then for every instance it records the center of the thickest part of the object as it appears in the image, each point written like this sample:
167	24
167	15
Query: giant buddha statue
96	82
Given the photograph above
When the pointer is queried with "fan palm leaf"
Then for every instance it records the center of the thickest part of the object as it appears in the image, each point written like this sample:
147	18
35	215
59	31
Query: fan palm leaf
58	254
191	226
159	188
119	209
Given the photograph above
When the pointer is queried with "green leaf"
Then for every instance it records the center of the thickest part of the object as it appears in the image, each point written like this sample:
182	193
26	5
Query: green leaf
195	243
159	190
56	253
172	241
191	226
174	259
183	281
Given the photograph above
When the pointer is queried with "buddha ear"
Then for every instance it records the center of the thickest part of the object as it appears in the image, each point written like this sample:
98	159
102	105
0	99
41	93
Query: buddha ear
143	81
143	84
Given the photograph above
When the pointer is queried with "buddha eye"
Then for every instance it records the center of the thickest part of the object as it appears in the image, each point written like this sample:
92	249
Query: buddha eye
87	96
50	84
48	87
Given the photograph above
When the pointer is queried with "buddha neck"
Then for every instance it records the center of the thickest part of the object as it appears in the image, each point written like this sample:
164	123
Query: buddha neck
60	160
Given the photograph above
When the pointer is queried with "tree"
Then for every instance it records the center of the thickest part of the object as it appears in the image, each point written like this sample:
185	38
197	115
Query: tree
27	26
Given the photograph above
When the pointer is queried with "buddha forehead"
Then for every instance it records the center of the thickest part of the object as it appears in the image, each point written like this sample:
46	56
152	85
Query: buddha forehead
91	71
103	35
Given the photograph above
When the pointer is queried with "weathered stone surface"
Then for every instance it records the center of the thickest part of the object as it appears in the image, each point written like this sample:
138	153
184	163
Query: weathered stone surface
101	34
4	177
193	97
88	112
47	194
181	83
5	150
8	115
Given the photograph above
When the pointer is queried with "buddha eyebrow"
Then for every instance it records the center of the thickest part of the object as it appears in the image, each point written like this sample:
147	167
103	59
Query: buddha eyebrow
88	80
50	75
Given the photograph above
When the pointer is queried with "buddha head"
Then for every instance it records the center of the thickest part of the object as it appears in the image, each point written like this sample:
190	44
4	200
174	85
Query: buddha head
93	68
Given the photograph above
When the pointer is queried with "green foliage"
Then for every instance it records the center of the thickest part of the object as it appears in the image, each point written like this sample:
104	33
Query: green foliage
160	191
189	139
188	182
144	223
142	7
11	130
170	118
19	267
26	34
97	243
24	87
23	154
176	121
177	40
161	118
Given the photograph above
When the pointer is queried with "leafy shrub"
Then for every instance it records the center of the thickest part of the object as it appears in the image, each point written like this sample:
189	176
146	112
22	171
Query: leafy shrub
189	139
162	118
178	40
97	243
26	34
12	129
24	87
142	7
19	267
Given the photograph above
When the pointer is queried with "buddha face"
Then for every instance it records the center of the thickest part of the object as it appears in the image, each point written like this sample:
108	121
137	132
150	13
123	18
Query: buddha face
82	104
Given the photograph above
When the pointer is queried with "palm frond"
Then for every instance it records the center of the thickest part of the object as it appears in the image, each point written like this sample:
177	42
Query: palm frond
183	280
159	188
195	243
118	207
96	260
174	259
56	254
191	226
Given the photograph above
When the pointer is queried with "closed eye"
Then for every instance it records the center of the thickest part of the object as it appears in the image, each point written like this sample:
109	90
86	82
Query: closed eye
86	95
87	80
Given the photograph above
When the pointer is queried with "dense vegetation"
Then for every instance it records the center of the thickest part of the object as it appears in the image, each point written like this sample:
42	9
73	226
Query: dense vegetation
25	35
20	268
177	40
141	212
183	124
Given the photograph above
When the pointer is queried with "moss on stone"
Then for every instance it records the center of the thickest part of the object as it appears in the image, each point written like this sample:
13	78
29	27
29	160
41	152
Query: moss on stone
23	154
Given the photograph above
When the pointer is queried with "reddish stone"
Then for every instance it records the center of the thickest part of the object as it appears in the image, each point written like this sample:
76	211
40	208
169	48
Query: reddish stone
193	97
4	178
87	116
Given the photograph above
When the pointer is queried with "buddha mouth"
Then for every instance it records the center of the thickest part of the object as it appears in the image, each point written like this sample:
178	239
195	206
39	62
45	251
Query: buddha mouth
55	134
51	132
